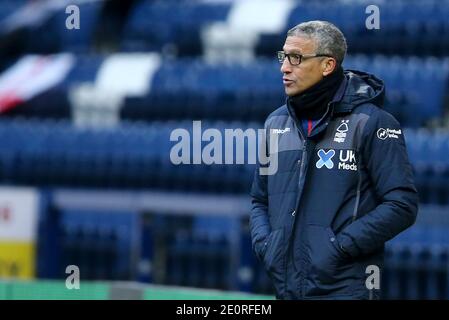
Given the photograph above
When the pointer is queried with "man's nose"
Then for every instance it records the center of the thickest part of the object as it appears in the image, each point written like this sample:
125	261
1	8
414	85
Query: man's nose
286	67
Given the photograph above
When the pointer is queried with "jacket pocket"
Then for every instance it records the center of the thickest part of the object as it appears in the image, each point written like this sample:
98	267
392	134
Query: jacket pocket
326	257
272	251
273	258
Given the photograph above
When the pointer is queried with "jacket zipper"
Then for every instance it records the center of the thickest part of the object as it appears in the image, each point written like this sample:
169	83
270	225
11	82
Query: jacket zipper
304	154
357	199
359	185
294	213
301	168
301	172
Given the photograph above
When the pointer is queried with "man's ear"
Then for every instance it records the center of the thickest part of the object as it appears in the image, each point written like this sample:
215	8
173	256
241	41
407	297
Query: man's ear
328	65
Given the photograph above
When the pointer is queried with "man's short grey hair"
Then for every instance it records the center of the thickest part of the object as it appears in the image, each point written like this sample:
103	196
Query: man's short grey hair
328	38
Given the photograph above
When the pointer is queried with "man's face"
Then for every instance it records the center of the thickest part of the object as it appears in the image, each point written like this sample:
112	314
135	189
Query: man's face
298	78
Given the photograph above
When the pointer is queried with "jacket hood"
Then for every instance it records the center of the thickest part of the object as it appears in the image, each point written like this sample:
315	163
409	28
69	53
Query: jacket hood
362	87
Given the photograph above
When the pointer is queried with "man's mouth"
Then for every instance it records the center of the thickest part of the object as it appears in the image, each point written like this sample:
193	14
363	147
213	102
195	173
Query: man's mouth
287	82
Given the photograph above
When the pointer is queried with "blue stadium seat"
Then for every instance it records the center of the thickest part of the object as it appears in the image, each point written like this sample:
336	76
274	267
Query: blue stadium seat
152	25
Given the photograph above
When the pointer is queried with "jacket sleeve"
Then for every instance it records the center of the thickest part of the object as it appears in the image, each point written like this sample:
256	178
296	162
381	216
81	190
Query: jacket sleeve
384	154
259	222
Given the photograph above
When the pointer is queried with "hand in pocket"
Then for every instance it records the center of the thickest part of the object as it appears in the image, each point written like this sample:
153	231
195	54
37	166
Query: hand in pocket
325	255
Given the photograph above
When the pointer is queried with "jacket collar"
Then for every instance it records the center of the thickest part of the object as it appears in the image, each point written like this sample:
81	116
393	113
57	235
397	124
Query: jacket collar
356	88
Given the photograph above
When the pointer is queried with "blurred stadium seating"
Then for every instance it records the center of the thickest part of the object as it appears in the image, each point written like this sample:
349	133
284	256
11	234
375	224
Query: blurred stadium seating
97	146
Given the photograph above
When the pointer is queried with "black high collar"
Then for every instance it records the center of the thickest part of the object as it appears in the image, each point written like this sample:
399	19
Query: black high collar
312	103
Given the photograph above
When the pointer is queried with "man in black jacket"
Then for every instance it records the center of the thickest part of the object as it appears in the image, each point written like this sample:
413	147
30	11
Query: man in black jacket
344	183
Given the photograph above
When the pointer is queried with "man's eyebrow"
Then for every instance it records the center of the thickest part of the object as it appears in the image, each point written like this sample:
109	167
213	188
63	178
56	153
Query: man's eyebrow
293	51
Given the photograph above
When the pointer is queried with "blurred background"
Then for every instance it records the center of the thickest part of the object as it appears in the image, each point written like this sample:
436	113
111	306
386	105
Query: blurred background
86	112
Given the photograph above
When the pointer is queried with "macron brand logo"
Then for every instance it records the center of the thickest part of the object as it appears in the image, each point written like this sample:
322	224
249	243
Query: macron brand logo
383	134
325	159
280	131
